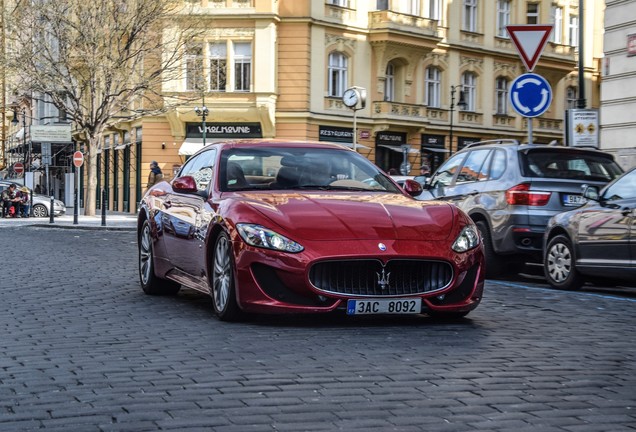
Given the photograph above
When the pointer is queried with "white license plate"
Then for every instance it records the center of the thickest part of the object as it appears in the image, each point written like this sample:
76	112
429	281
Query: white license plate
384	306
574	200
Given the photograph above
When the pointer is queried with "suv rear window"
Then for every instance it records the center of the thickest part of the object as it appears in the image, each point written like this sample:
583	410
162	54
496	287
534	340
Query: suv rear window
543	163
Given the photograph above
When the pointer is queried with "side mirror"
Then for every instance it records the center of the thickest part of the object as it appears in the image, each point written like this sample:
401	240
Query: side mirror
591	192
185	184
412	187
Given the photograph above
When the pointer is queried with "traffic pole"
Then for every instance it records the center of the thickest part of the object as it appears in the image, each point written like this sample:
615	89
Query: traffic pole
52	210
104	207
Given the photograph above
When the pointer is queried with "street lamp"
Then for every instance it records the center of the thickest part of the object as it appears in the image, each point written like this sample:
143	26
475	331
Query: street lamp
203	113
461	104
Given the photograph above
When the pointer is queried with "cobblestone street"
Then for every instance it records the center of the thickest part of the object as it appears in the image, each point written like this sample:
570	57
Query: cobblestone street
84	349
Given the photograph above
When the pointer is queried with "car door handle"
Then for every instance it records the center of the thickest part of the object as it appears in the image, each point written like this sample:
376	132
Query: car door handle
167	204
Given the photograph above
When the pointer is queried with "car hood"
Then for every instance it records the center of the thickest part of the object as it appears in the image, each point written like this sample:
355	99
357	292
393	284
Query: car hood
328	216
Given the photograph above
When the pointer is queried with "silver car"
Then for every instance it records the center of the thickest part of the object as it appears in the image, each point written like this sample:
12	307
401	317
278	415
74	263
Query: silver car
511	190
41	203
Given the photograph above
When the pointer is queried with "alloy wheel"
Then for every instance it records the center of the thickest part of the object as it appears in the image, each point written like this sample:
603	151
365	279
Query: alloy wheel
559	262
222	274
145	255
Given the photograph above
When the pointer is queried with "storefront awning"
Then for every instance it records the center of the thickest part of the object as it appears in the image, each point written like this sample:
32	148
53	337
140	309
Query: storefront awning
399	149
190	146
436	149
121	146
19	134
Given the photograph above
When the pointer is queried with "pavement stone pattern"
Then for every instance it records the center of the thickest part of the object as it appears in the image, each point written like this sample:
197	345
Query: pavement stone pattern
83	349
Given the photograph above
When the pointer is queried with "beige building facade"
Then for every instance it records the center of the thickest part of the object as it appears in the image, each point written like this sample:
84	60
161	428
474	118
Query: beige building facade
279	68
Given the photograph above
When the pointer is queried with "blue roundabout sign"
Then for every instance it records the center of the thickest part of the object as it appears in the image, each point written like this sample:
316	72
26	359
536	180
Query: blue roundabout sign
530	95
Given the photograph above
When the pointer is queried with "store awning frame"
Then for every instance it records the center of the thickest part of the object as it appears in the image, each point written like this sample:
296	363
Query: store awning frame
398	148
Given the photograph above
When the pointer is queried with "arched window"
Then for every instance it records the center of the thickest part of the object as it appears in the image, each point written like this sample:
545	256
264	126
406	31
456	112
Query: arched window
337	73
432	85
469	83
389	83
570	97
501	95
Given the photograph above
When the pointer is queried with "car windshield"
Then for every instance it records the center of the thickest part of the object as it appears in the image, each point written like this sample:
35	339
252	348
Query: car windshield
569	165
301	168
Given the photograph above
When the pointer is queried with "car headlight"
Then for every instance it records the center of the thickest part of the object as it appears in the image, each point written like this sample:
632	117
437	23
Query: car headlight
259	236
467	239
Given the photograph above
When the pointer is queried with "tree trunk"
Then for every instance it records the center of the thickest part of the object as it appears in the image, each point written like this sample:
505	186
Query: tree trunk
91	191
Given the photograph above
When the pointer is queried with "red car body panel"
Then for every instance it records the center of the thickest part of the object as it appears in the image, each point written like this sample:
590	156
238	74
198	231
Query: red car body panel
331	225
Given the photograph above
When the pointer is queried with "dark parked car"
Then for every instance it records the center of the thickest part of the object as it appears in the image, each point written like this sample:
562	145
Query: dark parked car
595	241
277	227
511	190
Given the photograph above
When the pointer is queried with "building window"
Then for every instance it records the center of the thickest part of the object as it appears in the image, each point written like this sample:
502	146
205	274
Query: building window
337	73
389	83
432	85
557	22
503	17
194	68
470	15
469	83
409	7
341	3
570	97
574	30
435	9
501	95
242	66
532	13
218	66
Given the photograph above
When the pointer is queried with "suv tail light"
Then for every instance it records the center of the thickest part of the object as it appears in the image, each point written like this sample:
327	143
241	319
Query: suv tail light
522	195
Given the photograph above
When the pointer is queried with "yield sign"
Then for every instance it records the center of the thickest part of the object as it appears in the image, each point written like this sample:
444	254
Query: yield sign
529	40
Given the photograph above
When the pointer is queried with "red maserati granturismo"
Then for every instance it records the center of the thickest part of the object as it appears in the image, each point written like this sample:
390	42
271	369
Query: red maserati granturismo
266	226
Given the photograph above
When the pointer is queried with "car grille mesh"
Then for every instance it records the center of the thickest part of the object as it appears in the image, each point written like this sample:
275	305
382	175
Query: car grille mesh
370	278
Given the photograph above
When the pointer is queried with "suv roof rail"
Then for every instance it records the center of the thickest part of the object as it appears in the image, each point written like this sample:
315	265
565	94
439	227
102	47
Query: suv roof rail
495	141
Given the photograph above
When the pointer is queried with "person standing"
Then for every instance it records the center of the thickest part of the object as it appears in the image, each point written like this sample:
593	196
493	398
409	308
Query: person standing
155	176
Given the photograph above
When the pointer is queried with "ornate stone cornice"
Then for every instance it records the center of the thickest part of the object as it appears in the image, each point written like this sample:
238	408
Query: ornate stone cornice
340	41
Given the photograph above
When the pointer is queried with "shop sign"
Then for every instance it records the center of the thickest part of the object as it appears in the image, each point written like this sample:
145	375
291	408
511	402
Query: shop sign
391	138
436	141
464	141
582	128
335	134
224	130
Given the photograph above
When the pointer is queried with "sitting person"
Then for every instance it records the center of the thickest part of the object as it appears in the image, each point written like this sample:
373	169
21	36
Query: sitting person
24	202
10	200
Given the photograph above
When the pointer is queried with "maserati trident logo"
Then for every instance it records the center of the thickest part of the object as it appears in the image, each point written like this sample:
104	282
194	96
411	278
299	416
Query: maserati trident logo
383	279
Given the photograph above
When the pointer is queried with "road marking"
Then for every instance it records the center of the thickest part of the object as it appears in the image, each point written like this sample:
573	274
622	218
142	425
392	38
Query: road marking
554	291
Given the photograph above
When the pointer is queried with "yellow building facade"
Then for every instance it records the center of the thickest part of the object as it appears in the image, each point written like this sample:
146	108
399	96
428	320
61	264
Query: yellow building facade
278	69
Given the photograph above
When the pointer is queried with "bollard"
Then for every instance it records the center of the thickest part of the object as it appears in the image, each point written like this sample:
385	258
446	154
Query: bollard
52	210
104	207
75	208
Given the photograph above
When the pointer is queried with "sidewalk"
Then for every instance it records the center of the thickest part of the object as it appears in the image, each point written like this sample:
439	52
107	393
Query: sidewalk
114	221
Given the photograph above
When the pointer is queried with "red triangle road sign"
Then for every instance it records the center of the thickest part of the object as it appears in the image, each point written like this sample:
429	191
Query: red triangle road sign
529	39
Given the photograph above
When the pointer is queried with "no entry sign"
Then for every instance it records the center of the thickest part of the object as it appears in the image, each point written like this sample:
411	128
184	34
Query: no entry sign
78	159
18	167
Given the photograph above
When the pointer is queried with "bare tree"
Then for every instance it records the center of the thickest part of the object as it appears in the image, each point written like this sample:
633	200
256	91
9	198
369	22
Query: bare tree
99	61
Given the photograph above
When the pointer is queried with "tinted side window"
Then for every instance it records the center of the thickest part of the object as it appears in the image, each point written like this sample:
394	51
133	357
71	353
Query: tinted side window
472	169
623	188
498	164
446	172
201	167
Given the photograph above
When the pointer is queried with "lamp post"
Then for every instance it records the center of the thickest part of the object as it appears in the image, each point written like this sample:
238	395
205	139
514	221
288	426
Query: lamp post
461	104
203	113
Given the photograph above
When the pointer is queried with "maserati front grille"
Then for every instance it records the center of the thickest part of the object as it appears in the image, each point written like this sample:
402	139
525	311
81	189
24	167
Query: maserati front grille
399	277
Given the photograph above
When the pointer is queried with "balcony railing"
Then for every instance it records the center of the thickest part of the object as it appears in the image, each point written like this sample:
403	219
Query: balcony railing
389	20
398	109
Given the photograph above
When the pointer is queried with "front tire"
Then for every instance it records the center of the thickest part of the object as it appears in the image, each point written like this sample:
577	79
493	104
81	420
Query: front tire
150	283
494	262
559	264
223	290
40	211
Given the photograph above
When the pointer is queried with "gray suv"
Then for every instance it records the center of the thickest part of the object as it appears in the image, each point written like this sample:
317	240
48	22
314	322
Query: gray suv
511	190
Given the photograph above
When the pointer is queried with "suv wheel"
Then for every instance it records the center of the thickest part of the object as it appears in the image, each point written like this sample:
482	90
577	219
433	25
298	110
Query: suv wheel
494	263
559	264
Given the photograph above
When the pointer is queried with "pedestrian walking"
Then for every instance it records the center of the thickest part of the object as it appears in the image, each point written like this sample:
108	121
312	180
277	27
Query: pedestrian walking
156	175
